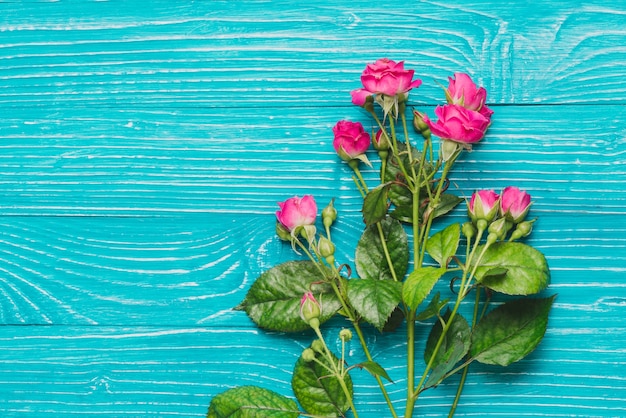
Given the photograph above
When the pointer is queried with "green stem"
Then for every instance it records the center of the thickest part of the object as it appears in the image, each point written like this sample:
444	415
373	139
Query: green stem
336	372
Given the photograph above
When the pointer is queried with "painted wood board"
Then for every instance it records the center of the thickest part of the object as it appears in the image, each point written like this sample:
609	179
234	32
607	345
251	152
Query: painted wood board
143	149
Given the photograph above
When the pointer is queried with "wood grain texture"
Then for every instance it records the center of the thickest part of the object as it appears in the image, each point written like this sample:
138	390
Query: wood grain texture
143	148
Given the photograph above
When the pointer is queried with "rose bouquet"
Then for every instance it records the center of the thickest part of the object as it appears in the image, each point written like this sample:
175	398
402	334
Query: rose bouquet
403	252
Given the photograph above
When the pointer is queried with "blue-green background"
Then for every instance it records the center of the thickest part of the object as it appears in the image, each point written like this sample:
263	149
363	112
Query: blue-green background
144	145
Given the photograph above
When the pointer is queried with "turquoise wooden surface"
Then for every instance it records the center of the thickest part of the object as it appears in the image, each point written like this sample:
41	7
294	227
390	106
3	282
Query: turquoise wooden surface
143	148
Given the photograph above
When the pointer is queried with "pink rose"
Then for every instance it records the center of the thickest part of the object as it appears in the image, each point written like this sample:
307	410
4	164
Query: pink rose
351	141
384	77
464	92
514	204
483	205
295	212
458	124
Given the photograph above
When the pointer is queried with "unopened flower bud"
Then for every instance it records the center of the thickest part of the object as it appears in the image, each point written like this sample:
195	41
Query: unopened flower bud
499	227
308	355
308	232
469	230
345	335
483	205
329	214
380	141
325	247
419	125
522	230
310	309
317	346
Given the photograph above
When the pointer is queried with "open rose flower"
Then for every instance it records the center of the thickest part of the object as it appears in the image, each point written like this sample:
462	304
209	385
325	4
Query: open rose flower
296	212
351	141
483	205
384	77
462	91
514	204
459	124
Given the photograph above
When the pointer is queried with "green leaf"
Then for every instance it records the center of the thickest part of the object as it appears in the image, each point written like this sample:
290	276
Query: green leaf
375	369
419	284
374	300
376	204
273	301
433	308
526	268
447	202
511	331
318	392
370	259
252	402
455	345
443	245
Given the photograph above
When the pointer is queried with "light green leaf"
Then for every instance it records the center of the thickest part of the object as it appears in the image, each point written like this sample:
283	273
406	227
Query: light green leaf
376	204
521	269
252	402
419	284
370	259
455	345
433	308
318	392
374	300
273	301
511	331
443	245
375	369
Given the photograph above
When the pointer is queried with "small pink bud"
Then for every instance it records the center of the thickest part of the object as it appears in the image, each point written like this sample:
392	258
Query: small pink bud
514	204
295	212
483	205
310	309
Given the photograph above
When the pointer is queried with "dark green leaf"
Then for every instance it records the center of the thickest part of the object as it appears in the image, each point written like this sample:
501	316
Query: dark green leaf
419	284
318	392
511	331
447	202
252	402
374	300
375	369
370	259
433	308
449	353
441	370
526	269
273	301
395	320
443	245
376	204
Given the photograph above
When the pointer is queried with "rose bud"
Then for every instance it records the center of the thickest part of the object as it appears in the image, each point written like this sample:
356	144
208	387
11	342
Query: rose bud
297	212
483	205
514	204
351	141
384	77
310	310
463	91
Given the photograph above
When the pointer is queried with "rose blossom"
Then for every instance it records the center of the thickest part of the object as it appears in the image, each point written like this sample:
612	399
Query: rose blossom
459	124
464	92
514	204
351	141
483	205
295	212
384	77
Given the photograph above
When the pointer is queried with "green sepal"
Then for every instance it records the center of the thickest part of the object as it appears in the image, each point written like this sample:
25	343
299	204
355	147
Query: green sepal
252	402
513	268
374	300
419	284
443	245
376	204
511	331
273	300
370	260
318	392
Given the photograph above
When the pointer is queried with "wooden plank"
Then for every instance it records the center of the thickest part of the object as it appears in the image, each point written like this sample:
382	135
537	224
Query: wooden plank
280	53
130	371
133	162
